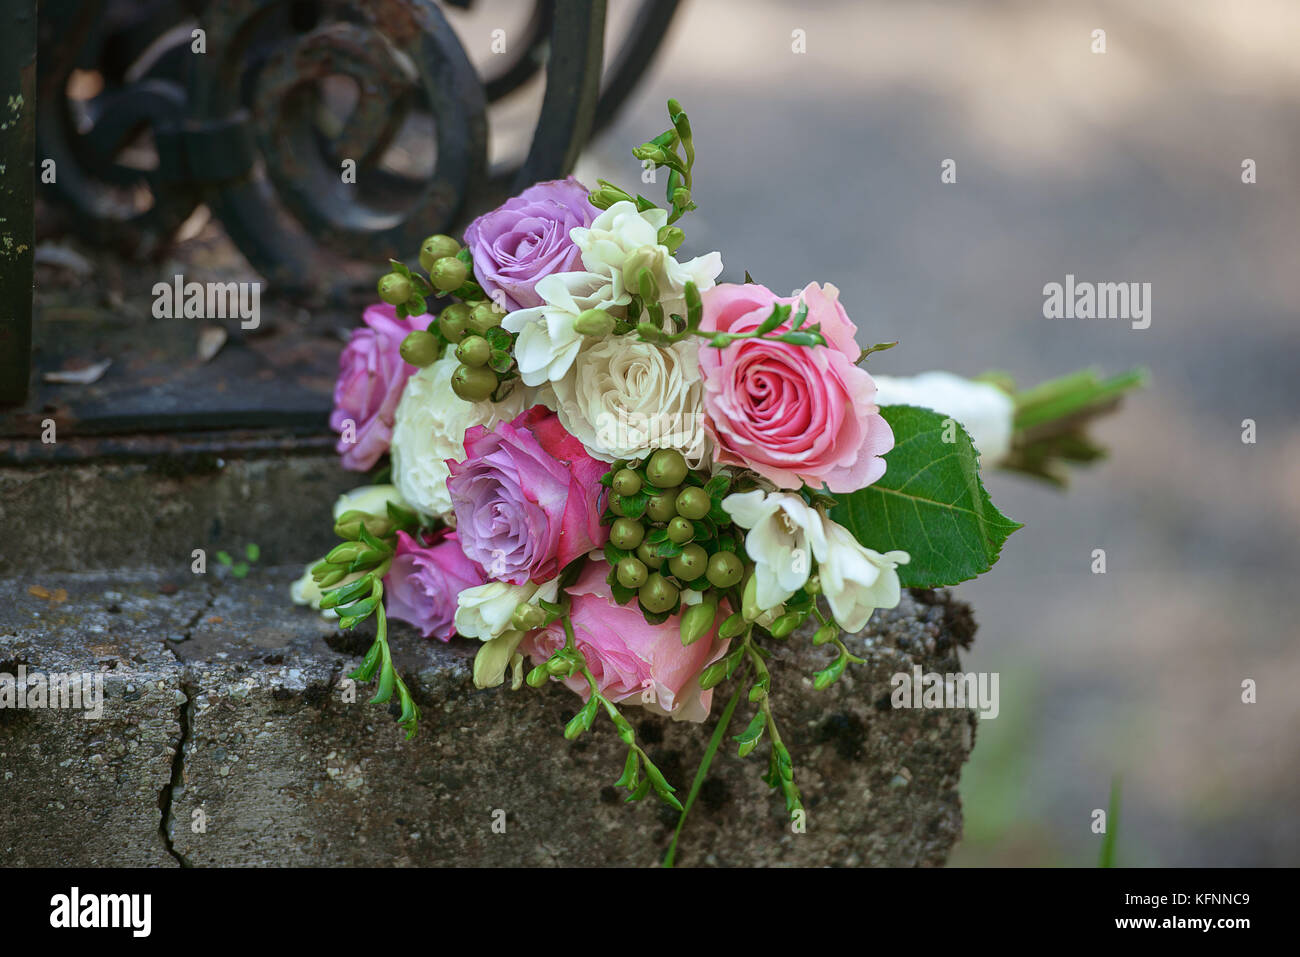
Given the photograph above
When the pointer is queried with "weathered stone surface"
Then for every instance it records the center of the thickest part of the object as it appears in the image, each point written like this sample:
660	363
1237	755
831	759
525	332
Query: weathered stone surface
75	791
139	514
277	768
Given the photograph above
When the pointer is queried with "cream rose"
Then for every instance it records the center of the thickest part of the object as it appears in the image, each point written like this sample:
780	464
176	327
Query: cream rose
429	428
624	398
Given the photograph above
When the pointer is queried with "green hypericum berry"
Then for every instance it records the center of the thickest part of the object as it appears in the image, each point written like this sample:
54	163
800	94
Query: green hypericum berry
647	554
473	385
394	288
693	503
680	531
482	317
627	482
724	570
662	507
448	273
626	533
420	348
690	564
453	322
665	468
435	248
657	594
474	351
632	573
615	506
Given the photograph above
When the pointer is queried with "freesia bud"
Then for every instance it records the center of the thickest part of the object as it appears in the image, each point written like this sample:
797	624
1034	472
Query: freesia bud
594	322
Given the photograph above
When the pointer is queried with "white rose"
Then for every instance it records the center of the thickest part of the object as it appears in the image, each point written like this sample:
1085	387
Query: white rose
984	410
624	397
855	579
548	343
429	428
484	611
784	536
371	499
623	240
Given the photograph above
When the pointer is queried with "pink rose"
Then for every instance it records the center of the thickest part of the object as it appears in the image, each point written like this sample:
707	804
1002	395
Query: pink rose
527	498
793	414
423	582
631	659
371	377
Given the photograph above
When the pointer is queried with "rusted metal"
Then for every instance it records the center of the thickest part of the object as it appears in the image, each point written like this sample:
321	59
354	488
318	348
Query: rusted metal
240	126
17	194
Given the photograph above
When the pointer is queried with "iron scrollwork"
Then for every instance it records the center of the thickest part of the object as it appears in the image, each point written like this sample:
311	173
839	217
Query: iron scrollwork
252	125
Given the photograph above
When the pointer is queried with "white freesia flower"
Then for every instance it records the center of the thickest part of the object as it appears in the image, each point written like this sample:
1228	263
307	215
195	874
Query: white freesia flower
624	397
484	611
305	591
371	499
984	410
493	657
429	428
784	536
623	240
855	579
548	343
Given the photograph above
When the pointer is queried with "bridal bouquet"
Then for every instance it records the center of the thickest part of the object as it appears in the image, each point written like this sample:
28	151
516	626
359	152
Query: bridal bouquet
613	471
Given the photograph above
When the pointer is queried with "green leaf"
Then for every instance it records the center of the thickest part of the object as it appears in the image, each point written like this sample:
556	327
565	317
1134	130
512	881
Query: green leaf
253	553
757	725
929	503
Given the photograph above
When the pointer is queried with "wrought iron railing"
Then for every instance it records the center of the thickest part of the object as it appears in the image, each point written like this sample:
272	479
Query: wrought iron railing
233	118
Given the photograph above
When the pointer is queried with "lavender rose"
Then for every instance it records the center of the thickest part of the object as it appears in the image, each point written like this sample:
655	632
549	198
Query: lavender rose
371	378
527	498
423	582
527	239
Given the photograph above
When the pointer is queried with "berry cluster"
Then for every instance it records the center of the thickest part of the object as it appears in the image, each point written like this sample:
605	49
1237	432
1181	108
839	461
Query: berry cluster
668	533
472	325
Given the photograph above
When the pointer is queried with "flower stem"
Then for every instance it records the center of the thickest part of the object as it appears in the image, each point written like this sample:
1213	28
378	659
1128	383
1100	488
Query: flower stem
714	743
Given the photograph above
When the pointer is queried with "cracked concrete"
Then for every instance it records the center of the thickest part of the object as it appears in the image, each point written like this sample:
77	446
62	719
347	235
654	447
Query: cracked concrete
229	738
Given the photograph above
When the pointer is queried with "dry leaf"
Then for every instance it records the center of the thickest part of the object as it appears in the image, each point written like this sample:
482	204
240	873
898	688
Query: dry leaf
91	373
211	339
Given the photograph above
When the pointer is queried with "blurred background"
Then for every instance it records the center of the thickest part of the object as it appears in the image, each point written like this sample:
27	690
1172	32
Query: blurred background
1122	166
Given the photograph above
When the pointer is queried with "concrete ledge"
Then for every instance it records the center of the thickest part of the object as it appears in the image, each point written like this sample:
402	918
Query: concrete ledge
107	515
225	740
